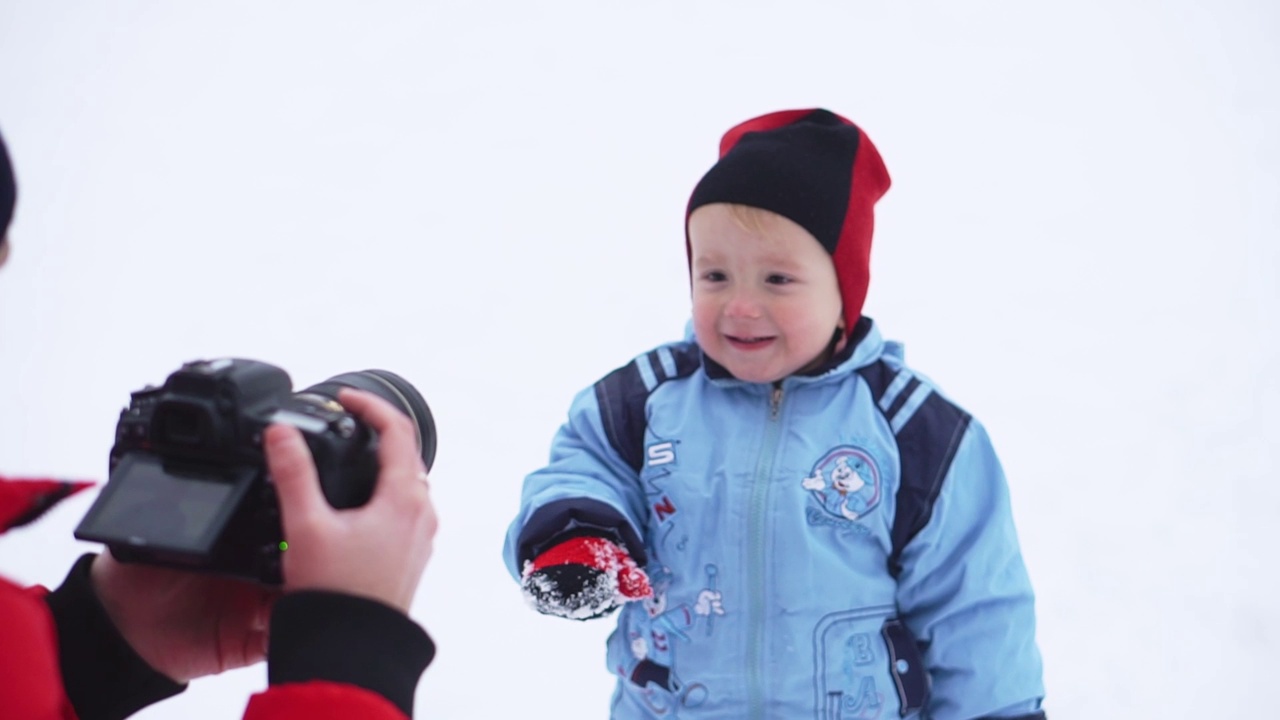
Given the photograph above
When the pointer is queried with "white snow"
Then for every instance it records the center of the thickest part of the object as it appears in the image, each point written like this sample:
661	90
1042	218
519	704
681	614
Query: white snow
597	596
1079	247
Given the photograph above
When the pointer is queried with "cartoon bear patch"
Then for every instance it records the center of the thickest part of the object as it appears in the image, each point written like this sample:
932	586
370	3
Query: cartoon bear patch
845	483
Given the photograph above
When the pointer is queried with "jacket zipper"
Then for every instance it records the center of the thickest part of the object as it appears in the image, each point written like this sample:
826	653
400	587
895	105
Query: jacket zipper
756	559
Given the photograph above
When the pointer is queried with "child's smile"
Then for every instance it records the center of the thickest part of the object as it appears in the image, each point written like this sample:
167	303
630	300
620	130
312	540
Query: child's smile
749	343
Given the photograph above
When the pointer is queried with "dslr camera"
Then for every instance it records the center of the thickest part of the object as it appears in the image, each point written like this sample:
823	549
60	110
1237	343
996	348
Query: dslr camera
188	485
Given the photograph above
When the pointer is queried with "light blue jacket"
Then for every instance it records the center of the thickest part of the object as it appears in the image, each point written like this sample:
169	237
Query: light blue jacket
835	546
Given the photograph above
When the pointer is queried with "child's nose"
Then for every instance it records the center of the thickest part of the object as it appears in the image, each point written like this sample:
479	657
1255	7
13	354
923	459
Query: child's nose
743	304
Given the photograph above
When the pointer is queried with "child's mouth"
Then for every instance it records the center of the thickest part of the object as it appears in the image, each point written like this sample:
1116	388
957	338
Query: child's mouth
748	343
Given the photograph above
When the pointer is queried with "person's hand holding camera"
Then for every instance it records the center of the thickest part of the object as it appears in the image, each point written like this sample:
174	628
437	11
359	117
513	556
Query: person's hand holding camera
377	551
187	625
184	624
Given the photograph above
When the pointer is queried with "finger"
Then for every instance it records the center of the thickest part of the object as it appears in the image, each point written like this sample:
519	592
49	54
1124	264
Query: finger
262	613
294	474
254	648
398	456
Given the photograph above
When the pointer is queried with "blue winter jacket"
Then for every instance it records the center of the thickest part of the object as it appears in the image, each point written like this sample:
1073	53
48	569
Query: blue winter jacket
836	545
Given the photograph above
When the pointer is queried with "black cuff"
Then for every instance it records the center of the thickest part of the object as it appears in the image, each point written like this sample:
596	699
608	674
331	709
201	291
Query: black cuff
566	519
341	638
104	678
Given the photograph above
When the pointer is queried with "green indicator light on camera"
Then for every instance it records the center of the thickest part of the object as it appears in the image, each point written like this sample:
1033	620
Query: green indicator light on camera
283	546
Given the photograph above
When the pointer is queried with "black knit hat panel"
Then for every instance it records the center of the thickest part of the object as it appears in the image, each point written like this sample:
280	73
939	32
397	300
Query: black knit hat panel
803	172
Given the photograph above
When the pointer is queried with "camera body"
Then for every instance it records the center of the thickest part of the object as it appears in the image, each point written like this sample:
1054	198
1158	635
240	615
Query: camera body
188	485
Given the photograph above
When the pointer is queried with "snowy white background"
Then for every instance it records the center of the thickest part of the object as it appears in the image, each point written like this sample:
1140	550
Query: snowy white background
1080	246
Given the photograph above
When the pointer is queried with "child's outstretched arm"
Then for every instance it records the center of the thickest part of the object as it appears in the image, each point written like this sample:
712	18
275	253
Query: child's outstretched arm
575	546
583	578
965	594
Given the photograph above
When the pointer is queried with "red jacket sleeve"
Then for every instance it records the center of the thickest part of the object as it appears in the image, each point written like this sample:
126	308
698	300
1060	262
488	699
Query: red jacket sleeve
30	679
320	700
30	682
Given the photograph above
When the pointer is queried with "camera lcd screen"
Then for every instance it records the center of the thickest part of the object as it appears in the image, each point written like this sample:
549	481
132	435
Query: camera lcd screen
145	506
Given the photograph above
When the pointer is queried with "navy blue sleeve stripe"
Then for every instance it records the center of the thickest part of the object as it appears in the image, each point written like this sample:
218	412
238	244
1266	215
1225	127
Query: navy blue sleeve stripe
926	446
927	439
892	392
902	396
877	376
913	403
622	395
659	370
687	358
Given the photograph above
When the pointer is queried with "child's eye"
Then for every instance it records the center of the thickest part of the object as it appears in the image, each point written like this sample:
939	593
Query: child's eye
776	279
713	276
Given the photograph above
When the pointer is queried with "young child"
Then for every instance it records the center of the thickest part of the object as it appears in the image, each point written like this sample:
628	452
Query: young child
794	523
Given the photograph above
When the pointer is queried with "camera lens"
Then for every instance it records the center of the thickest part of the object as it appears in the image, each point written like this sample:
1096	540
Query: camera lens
395	390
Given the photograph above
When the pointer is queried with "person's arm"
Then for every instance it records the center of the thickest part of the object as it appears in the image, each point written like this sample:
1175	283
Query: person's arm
965	595
339	656
342	644
575	544
103	676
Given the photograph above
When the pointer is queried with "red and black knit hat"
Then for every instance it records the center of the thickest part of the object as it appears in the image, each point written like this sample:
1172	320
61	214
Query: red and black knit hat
814	168
8	189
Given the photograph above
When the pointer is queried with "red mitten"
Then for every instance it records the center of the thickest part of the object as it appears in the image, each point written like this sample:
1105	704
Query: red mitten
583	578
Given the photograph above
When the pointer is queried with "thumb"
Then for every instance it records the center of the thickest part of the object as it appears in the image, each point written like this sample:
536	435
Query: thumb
294	474
633	583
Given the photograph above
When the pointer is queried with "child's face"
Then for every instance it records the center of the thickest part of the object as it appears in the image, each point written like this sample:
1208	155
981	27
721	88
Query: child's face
765	297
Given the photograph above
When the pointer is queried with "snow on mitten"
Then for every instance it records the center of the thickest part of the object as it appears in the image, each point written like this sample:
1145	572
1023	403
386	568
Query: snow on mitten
583	578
